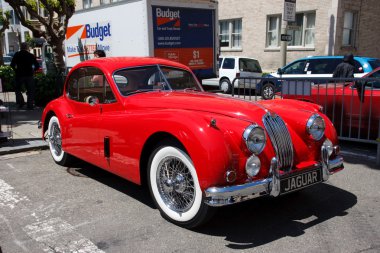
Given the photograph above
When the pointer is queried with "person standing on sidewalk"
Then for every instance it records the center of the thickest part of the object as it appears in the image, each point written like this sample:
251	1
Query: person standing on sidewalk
24	64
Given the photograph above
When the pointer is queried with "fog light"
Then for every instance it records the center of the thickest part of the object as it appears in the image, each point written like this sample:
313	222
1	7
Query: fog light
329	146
252	166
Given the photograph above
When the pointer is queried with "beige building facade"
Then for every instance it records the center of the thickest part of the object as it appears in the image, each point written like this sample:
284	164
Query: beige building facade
252	28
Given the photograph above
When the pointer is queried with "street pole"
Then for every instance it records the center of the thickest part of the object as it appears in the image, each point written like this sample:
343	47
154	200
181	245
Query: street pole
284	44
289	14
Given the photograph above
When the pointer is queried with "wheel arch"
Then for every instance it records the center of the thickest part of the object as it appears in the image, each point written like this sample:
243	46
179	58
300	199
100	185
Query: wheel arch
47	118
224	77
261	84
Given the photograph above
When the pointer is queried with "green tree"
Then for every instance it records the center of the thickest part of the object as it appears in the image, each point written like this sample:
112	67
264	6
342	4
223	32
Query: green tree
54	24
4	24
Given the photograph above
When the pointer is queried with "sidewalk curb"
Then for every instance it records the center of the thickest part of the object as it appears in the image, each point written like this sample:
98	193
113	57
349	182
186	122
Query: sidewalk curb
30	146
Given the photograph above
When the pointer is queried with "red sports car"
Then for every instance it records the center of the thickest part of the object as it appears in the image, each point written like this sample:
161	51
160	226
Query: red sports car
149	121
354	107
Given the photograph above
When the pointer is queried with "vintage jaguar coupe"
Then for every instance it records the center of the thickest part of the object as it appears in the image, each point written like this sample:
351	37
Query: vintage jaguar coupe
149	121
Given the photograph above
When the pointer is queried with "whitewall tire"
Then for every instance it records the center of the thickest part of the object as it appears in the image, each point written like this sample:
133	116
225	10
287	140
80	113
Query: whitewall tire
174	186
55	143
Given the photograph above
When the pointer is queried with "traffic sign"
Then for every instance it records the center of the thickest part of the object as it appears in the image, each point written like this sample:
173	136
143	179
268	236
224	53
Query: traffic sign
286	37
289	10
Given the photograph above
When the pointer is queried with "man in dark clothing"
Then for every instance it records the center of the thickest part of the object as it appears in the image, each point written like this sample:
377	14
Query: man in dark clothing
346	68
24	64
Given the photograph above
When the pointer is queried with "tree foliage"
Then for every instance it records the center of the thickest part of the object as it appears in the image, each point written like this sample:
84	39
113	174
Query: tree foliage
54	24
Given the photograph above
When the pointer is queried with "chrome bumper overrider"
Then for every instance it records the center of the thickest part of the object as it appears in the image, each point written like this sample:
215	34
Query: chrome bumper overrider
221	196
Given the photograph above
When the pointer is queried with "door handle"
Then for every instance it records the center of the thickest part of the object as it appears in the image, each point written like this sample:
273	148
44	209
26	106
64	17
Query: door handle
69	116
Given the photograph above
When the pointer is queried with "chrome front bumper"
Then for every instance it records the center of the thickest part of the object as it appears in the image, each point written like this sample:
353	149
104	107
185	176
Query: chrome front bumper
221	196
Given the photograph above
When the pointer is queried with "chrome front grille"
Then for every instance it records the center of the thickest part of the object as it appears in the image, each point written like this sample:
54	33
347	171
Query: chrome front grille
280	138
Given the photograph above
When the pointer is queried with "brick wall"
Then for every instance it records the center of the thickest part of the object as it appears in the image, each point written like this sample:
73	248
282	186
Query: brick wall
368	32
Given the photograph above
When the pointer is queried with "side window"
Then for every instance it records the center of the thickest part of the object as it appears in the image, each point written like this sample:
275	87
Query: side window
89	82
220	63
229	63
296	68
323	66
249	65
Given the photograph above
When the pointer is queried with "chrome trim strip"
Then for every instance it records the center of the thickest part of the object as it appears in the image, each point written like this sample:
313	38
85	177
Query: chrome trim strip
221	196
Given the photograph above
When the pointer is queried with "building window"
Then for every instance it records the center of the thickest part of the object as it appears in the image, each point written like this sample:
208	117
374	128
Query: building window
87	4
349	28
273	31
230	33
108	1
14	19
302	30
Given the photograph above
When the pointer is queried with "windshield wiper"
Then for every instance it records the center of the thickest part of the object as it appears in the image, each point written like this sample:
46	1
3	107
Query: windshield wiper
191	89
138	91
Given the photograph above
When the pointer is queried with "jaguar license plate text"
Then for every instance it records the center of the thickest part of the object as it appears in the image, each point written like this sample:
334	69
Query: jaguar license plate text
293	183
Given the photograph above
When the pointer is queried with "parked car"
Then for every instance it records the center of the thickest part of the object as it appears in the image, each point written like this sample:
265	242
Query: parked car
352	106
313	66
231	67
150	122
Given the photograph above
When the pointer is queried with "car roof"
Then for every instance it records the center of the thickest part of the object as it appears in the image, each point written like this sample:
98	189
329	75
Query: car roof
115	63
334	57
232	56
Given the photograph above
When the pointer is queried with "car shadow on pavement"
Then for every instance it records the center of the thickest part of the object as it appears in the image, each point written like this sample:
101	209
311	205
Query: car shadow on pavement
83	169
264	220
251	223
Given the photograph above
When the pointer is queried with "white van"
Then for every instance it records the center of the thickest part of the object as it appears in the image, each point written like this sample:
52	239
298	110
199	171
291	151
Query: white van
231	67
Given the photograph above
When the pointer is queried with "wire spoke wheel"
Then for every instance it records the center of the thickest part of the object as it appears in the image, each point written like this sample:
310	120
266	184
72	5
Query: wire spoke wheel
175	184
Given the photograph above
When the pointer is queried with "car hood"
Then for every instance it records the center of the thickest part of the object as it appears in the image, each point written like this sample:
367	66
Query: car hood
212	103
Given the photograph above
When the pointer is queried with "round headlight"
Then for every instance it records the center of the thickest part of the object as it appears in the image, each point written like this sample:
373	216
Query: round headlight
252	166
254	137
329	146
316	127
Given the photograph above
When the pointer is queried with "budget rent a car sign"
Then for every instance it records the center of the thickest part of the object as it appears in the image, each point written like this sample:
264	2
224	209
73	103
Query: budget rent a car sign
82	40
184	35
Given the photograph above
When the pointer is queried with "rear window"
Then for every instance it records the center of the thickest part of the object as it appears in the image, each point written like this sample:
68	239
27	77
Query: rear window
229	63
374	63
249	65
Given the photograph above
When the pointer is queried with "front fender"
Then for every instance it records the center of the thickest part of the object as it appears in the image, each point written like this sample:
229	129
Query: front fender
214	149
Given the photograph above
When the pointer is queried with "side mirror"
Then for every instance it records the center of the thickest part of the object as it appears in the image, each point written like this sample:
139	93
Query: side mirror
280	71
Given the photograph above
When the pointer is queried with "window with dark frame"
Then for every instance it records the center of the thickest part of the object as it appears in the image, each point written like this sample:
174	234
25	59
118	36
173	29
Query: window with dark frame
349	28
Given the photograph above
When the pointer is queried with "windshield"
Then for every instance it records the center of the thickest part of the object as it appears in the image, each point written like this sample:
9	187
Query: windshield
151	78
374	63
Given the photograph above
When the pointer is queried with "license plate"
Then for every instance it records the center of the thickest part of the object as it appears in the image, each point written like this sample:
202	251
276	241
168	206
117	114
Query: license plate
302	180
